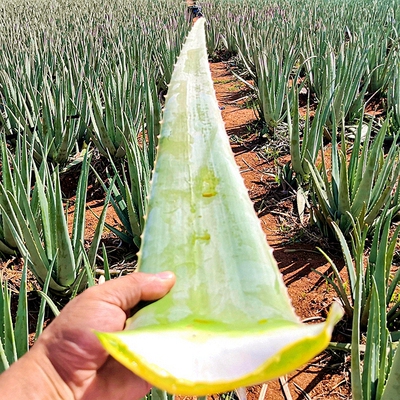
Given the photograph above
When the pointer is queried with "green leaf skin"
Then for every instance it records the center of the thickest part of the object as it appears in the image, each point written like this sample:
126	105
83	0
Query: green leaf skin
392	388
228	321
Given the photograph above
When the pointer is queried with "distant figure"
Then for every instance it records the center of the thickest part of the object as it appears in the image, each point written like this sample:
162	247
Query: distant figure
193	11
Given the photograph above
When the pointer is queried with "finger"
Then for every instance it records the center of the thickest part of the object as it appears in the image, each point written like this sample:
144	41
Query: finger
127	291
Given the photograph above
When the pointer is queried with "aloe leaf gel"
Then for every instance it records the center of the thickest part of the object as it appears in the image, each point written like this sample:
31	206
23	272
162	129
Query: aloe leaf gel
228	321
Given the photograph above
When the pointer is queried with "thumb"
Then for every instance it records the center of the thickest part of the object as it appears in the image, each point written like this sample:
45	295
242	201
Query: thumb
127	291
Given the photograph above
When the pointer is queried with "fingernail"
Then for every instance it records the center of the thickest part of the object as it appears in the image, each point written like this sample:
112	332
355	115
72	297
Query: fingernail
165	275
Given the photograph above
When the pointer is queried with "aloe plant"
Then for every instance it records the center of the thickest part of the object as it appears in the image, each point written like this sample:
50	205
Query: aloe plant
337	77
358	188
391	390
228	321
129	192
109	108
304	146
273	72
13	343
374	270
14	337
38	225
23	161
51	112
393	96
371	290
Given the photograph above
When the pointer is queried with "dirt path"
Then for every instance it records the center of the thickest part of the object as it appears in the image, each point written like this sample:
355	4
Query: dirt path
326	376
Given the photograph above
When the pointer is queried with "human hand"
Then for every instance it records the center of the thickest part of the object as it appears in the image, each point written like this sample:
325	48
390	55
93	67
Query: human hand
68	355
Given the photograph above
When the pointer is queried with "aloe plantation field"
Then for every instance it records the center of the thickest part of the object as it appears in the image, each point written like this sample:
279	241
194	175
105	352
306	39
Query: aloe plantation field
309	93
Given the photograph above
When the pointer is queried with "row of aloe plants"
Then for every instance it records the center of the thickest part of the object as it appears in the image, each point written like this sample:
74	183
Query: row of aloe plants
56	80
344	64
351	57
74	83
76	80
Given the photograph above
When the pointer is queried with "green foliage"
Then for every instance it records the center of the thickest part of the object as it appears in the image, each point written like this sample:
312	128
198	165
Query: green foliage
14	338
72	73
305	143
368	273
369	305
22	164
273	72
78	72
128	193
391	390
337	78
393	95
121	99
356	189
39	227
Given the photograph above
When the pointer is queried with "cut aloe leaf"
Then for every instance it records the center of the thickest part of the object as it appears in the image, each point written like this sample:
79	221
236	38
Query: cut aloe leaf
228	321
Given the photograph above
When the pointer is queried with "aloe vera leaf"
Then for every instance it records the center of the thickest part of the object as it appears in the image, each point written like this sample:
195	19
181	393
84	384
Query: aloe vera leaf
47	220
321	190
97	120
88	278
335	167
294	135
42	309
99	230
4	364
21	323
8	332
343	195
354	161
377	206
369	374
65	267
45	297
392	388
339	287
228	321
78	228
106	264
361	159
6	250
381	273
356	374
389	257
347	256
7	184
388	173
363	194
